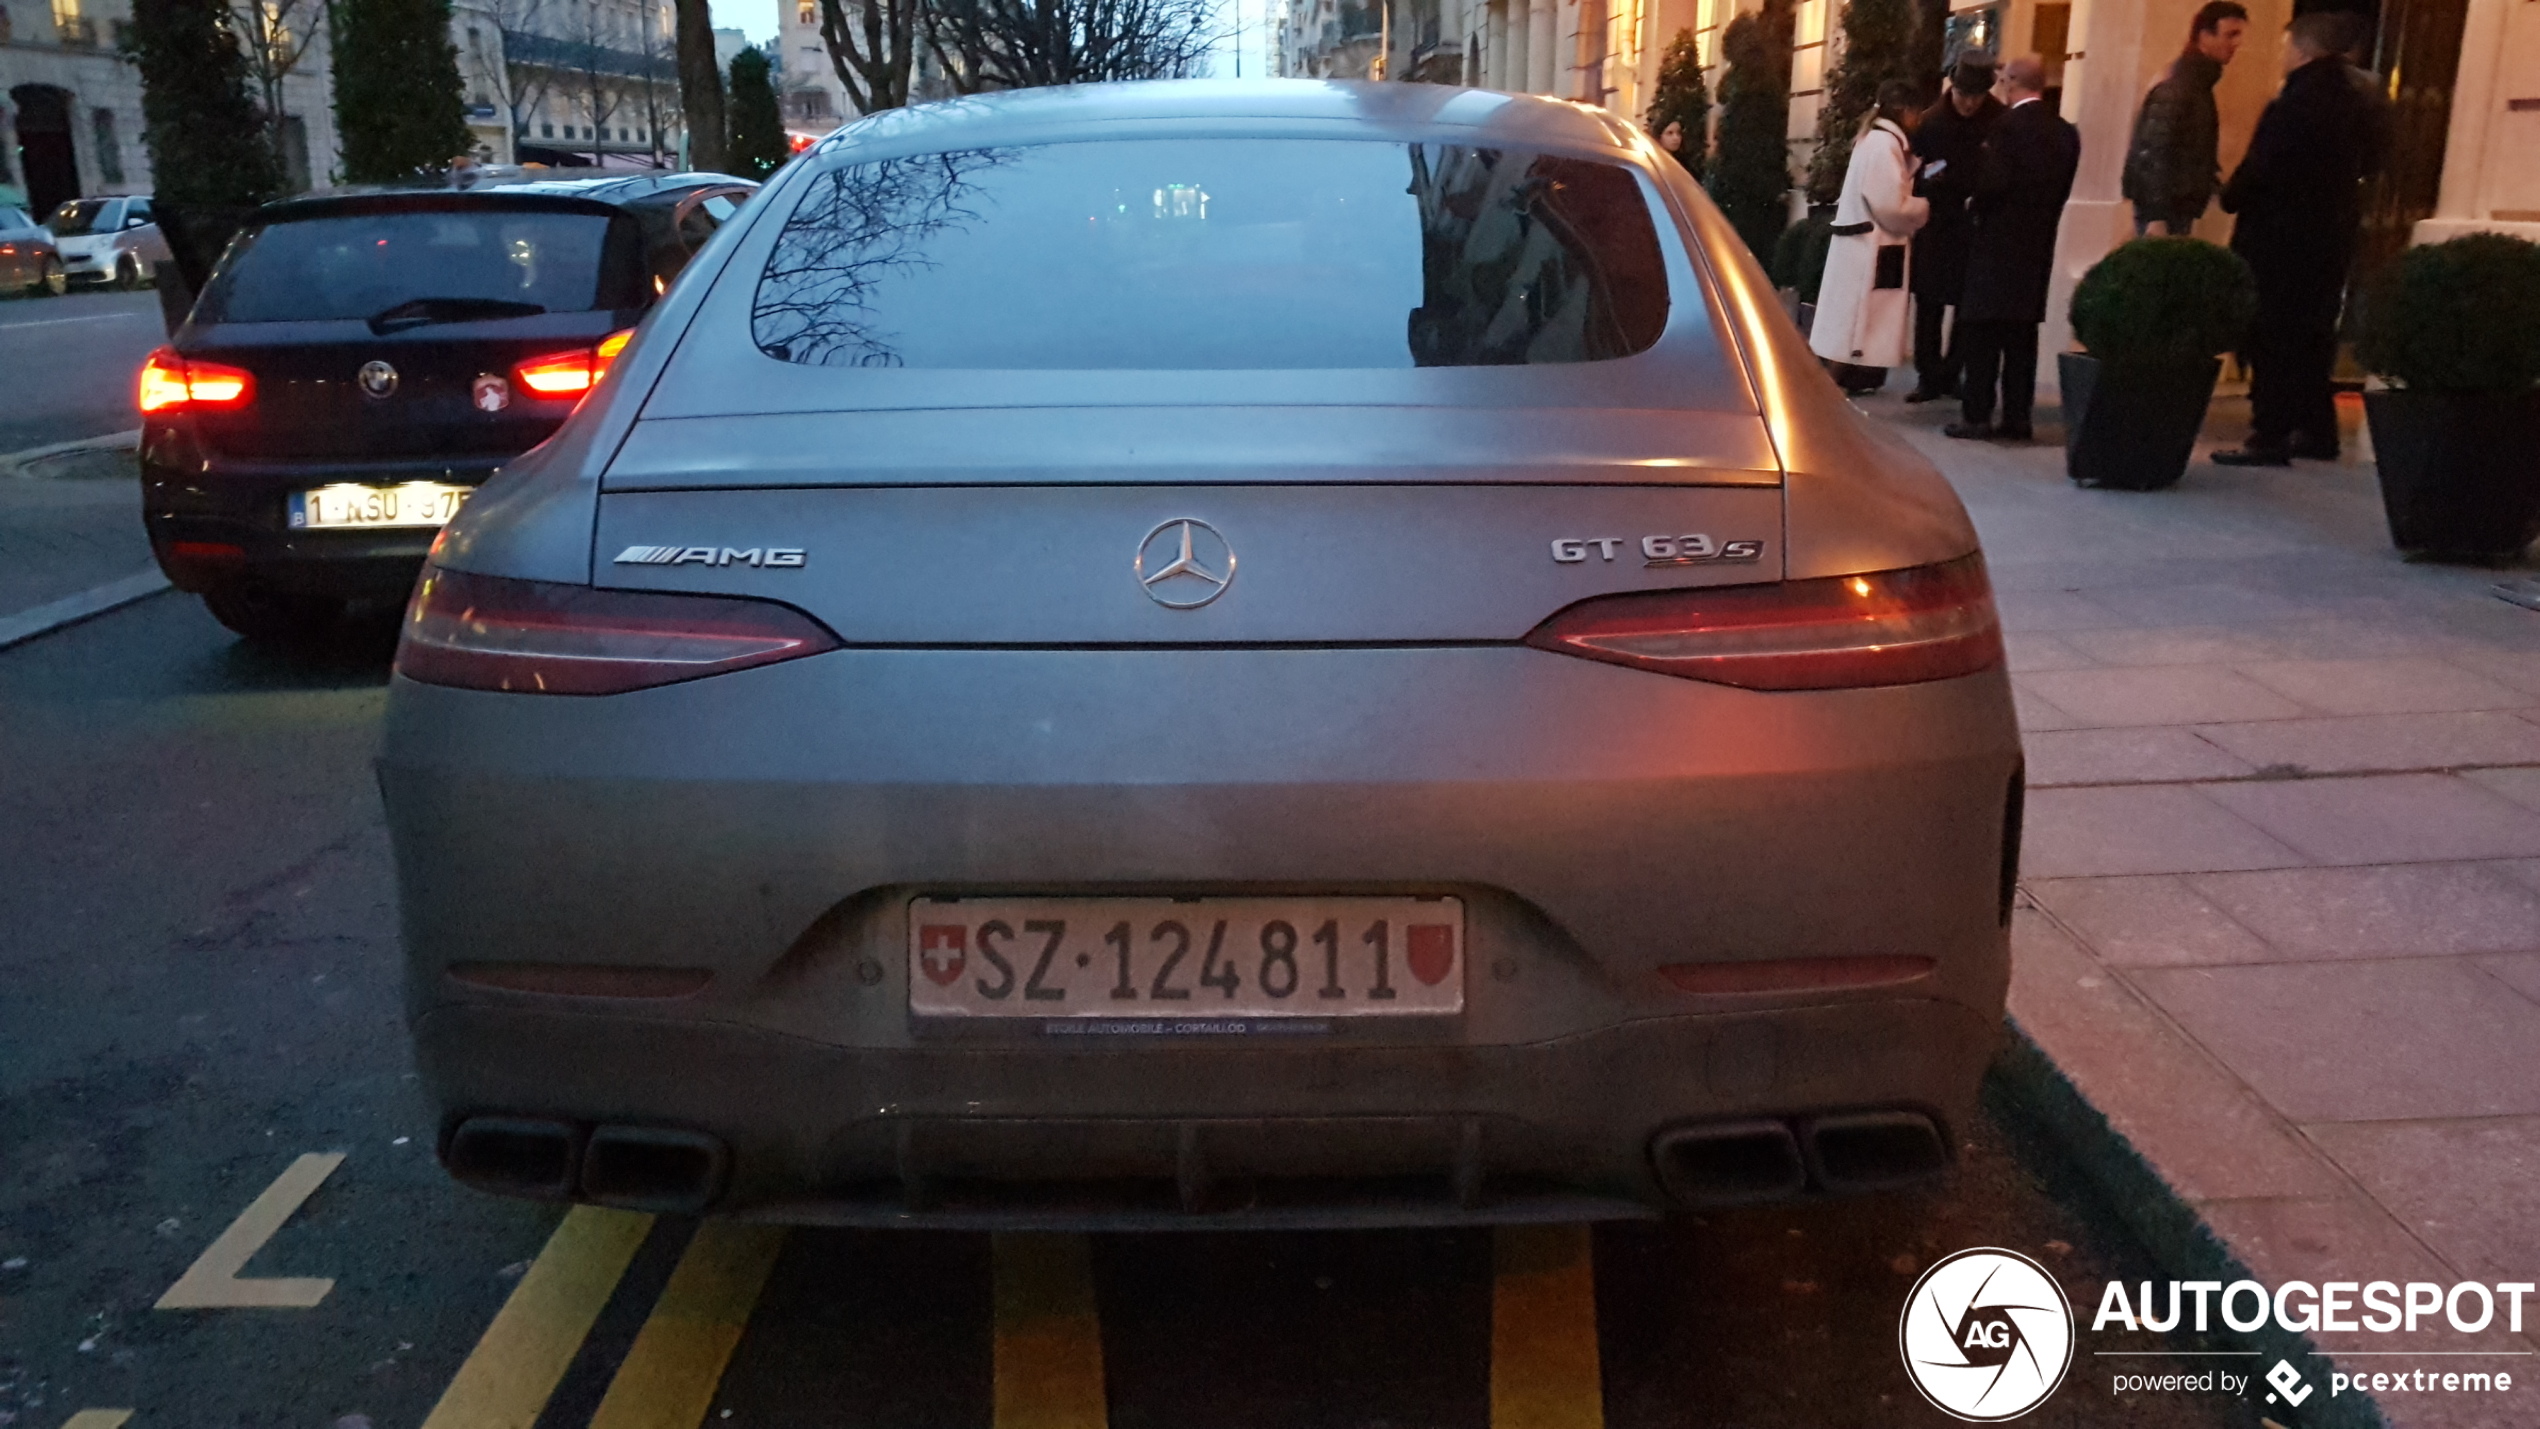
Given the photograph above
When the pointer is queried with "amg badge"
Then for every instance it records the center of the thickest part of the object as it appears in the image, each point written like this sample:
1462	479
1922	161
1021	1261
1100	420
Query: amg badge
767	557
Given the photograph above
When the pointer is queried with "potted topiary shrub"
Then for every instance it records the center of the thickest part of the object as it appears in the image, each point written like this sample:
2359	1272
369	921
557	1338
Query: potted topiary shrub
2454	328
2154	318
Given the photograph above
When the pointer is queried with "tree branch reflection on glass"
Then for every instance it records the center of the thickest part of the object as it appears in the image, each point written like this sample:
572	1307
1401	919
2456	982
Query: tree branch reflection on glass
859	224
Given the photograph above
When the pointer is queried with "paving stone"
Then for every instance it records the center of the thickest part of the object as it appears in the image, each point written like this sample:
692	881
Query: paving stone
2035	714
2389	818
2163	828
2134	755
2520	785
2198	1126
2177	645
2049	611
2148	922
2317	1239
2402	686
2518	668
2520	971
2397	909
2162	694
2195	604
2359	744
2526	869
2469	1189
2029	650
2360	1041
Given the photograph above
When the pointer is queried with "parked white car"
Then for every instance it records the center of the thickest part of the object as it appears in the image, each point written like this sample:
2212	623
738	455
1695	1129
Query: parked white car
108	240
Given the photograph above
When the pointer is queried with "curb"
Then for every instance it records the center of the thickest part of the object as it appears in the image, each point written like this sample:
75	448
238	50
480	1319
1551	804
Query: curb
14	463
71	610
2032	1098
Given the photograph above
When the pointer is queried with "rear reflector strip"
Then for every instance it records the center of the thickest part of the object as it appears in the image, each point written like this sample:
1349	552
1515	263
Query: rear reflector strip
1795	974
1878	628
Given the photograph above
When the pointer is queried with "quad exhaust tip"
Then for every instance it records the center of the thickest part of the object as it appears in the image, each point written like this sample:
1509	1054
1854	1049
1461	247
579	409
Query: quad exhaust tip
1736	1163
639	1168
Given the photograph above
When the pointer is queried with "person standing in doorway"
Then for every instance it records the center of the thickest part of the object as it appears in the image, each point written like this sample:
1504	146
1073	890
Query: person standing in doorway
1948	148
2026	174
2174	166
2299	197
1862	305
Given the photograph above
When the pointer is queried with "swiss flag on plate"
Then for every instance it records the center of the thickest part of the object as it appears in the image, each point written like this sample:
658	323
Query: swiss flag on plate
1431	952
941	950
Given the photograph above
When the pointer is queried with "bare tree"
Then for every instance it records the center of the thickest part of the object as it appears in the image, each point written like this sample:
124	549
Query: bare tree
857	227
1018	44
873	46
598	70
525	82
277	35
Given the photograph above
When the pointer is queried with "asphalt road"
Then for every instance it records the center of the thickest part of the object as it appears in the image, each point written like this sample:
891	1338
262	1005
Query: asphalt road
67	364
198	948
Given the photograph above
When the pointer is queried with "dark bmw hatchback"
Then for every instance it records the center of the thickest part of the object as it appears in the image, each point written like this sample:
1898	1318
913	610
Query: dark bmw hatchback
358	364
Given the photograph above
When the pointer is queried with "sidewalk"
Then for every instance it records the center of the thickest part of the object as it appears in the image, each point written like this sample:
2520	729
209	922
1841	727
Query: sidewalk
69	522
2280	913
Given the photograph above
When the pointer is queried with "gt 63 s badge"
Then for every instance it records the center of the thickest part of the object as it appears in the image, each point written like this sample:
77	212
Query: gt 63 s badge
1693	550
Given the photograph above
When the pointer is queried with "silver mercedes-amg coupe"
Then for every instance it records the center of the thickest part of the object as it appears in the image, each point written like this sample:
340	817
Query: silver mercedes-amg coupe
1208	654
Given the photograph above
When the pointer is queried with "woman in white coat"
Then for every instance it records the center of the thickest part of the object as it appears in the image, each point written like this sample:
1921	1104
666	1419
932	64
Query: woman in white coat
1865	321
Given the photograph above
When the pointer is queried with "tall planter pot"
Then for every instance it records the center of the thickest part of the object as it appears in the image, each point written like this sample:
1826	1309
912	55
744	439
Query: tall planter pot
2133	428
2460	471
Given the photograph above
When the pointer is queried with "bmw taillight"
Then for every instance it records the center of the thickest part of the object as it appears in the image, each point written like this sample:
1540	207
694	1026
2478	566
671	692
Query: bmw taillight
570	374
541	637
1879	628
170	383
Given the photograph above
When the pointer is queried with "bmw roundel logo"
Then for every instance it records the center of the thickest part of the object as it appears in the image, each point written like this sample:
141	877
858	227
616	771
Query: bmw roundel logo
378	379
1986	1335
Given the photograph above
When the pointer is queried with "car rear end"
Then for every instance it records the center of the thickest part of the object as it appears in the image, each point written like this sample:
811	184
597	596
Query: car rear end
1215	656
357	367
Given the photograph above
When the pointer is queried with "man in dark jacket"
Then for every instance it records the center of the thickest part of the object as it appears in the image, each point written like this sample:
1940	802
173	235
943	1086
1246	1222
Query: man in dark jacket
1948	148
2299	196
2021	186
2172	168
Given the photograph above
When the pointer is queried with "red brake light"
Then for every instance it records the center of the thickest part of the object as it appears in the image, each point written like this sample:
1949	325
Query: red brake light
570	374
1878	628
170	383
539	637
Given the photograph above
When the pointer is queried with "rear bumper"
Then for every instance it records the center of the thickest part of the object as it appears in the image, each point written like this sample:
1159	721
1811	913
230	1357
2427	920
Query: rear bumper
1203	1137
213	522
751	844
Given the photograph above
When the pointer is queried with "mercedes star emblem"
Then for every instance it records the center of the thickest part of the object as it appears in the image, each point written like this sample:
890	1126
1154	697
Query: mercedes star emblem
378	378
1184	564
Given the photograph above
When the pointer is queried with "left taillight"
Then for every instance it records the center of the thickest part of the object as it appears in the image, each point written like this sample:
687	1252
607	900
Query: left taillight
1879	628
571	374
170	383
540	637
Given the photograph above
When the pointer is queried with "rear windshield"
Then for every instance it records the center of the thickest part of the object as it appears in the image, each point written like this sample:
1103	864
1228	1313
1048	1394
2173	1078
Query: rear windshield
77	218
1245	253
362	264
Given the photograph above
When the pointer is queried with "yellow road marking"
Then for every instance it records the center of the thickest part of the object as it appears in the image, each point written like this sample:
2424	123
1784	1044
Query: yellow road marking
667	1380
97	1419
1048	1336
1544	1372
533	1339
212	1282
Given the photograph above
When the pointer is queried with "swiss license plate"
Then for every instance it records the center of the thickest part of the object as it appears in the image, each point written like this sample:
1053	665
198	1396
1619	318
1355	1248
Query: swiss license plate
1185	958
348	504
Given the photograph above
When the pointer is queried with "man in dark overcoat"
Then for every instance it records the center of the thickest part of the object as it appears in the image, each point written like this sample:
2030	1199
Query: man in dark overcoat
2298	194
1948	148
2026	175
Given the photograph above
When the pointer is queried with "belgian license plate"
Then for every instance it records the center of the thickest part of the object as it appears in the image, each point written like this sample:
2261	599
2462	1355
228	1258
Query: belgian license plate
1185	958
347	504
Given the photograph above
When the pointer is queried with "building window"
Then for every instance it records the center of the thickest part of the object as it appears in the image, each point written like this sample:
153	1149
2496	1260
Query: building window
806	12
546	131
109	153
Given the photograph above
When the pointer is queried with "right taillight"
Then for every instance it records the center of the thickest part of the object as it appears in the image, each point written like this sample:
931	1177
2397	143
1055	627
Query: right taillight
540	637
1879	628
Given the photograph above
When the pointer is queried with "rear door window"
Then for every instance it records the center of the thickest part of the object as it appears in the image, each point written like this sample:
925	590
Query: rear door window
1223	253
359	265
